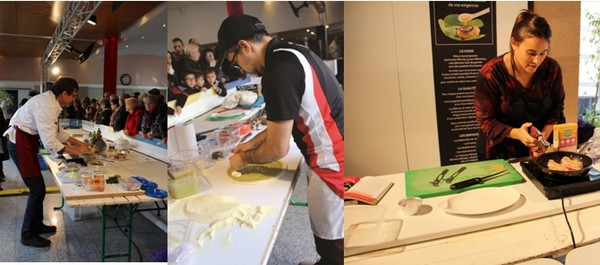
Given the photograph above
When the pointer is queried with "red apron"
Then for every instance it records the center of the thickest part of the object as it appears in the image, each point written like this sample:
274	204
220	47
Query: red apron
28	148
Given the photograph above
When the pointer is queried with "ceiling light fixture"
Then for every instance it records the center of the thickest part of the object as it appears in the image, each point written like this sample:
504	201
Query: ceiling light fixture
55	70
92	20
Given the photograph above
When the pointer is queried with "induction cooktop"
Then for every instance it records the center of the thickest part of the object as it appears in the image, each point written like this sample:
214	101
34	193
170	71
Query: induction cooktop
554	187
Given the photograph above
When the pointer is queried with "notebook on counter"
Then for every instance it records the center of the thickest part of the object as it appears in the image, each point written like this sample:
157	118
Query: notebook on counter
369	190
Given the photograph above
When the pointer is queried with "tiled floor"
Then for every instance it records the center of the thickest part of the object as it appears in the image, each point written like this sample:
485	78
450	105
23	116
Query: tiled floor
75	240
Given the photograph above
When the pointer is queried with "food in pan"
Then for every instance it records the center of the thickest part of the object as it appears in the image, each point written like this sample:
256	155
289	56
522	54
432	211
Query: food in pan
566	164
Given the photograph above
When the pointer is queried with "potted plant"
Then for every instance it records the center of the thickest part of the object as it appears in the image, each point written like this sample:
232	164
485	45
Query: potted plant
593	116
6	101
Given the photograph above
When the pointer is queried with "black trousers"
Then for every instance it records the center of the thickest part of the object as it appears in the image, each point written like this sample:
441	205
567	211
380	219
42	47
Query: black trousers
34	213
331	251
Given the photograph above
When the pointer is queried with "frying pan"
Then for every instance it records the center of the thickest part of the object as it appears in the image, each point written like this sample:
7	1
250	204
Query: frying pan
542	163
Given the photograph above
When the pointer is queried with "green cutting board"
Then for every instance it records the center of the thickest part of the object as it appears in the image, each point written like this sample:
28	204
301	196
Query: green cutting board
418	182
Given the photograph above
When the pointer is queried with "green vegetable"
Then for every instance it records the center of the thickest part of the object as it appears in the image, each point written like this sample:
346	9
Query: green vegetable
112	180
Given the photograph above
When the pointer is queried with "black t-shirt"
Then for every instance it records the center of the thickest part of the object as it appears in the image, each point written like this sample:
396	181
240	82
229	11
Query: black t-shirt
298	86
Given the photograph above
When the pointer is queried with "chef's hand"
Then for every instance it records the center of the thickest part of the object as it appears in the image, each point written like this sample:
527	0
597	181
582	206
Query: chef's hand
243	147
522	134
77	149
84	149
539	150
237	161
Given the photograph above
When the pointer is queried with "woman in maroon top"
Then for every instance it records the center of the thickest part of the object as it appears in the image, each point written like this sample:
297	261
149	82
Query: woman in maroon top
520	89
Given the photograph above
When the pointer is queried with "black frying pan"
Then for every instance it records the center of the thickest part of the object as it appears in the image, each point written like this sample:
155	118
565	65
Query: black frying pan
542	163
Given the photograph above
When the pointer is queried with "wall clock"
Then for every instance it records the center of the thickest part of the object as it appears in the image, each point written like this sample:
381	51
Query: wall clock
125	79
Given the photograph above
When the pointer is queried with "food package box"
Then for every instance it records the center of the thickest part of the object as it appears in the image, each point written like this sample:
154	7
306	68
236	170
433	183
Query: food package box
82	213
565	137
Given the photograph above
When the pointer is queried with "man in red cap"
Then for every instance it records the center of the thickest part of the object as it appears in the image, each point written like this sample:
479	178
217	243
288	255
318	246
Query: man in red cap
303	100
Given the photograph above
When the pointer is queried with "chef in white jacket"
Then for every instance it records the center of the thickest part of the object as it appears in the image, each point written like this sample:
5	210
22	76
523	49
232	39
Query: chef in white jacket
38	120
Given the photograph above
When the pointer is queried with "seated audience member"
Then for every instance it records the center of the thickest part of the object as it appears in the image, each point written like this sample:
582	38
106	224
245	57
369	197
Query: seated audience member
188	84
171	75
178	50
181	92
192	60
114	105
207	59
79	110
162	101
154	120
90	112
200	82
212	83
121	114
72	110
103	116
132	124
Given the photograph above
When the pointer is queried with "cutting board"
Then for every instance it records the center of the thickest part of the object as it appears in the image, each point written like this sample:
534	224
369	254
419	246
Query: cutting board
418	182
71	192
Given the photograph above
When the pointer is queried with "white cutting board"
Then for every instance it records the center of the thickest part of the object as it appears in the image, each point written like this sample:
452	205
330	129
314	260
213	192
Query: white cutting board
247	246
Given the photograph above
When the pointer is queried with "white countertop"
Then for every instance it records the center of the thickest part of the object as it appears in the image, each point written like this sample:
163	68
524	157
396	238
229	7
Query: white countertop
534	226
138	164
253	246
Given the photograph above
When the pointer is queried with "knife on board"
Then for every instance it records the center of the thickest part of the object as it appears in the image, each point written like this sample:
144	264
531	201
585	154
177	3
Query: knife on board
474	181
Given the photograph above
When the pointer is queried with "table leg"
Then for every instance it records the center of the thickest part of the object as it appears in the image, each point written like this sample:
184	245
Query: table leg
103	233
61	205
131	209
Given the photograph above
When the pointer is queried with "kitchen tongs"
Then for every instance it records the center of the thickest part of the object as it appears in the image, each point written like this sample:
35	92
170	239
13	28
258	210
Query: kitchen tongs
474	181
436	181
451	178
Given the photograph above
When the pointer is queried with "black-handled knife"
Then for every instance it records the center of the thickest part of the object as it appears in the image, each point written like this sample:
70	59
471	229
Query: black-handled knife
474	181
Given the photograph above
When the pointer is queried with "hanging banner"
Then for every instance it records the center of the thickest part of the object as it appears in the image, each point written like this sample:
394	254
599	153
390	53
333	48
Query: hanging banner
463	38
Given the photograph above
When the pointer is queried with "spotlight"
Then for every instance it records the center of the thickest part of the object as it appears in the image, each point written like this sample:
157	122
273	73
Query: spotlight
92	20
83	55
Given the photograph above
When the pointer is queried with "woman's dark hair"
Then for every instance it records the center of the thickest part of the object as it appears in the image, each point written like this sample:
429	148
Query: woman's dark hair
529	24
203	60
114	101
65	84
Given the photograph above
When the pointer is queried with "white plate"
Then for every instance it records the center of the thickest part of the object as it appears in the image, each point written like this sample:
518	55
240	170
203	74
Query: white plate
481	201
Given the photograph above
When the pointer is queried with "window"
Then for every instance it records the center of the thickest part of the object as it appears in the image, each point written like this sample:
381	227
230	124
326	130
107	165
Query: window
587	72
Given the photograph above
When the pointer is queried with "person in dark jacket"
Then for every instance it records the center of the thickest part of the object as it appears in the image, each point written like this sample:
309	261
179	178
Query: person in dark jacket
121	114
104	116
4	151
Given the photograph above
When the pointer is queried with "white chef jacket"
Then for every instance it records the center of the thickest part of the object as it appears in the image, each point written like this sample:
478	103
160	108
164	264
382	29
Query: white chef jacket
40	116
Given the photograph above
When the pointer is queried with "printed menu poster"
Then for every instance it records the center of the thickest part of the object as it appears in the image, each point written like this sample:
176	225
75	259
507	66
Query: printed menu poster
463	38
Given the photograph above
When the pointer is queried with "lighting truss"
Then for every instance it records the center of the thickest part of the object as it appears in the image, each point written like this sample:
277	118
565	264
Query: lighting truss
74	17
